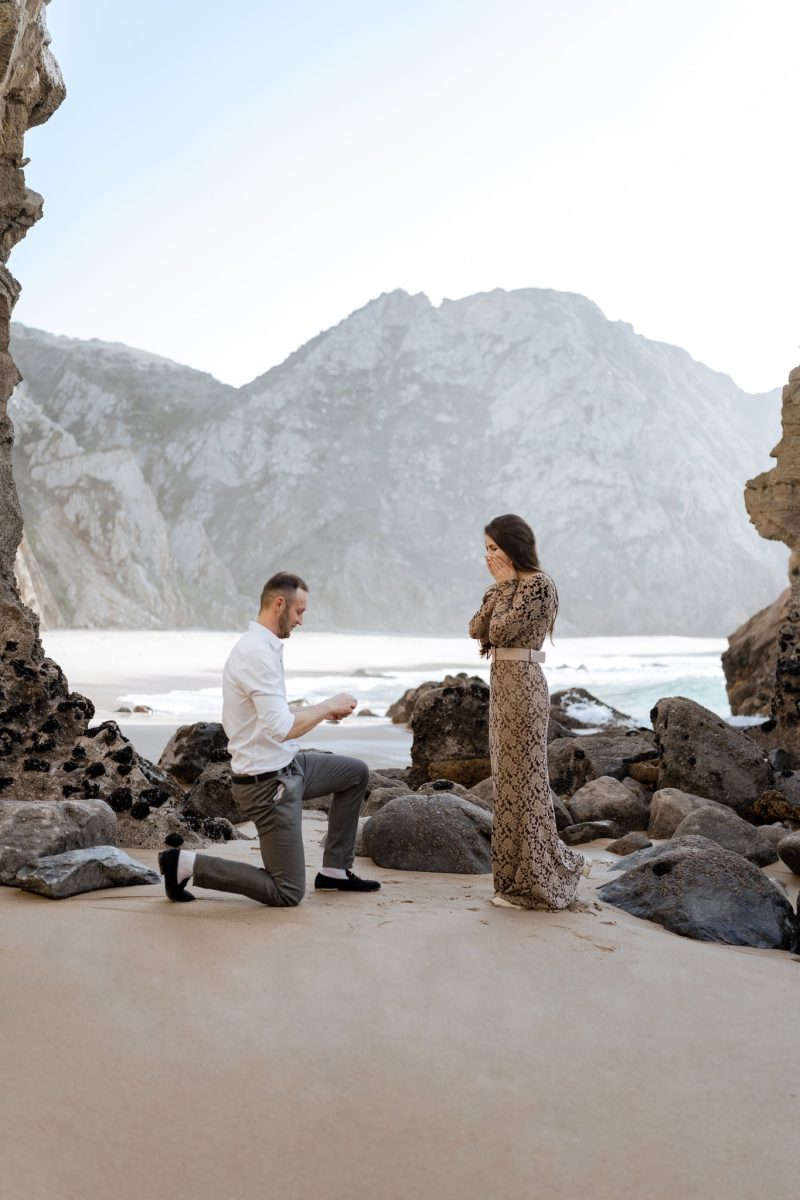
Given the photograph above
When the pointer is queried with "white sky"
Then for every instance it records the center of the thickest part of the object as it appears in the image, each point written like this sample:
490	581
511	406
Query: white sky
222	183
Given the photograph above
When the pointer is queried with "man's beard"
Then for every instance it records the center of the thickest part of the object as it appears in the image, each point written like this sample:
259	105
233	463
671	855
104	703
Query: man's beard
284	624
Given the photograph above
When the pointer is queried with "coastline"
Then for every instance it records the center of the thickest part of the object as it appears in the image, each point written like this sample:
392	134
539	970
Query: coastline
177	674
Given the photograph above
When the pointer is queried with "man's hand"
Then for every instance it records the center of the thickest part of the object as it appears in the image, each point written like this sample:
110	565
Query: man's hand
500	566
340	706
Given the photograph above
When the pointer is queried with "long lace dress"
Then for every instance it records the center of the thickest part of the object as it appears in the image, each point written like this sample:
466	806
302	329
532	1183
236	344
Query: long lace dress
531	866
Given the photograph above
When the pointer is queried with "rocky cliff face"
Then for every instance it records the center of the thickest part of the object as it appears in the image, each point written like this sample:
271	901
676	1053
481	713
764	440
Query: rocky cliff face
47	751
773	502
31	686
371	459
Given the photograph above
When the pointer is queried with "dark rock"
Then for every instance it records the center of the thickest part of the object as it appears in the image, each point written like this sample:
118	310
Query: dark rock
466	771
779	760
564	817
636	788
483	793
589	831
644	772
396	773
575	708
401	711
572	762
191	748
700	753
726	829
212	794
775	834
379	796
698	889
751	659
58	876
219	829
605	799
668	808
788	782
30	829
630	843
430	833
773	805
444	785
789	852
633	860
451	734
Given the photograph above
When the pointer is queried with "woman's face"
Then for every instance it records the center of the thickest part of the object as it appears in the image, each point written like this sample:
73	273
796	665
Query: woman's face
493	548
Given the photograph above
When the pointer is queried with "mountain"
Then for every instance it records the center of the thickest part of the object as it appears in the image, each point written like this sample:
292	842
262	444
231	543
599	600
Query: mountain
369	461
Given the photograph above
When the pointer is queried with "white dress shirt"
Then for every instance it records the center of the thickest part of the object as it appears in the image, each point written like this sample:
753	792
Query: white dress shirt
255	712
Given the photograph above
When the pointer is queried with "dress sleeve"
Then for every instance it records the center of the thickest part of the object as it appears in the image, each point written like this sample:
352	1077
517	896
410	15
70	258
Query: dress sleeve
479	625
517	609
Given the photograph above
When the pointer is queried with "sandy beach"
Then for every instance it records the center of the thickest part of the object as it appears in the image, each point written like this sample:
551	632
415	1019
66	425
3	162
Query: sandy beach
416	1043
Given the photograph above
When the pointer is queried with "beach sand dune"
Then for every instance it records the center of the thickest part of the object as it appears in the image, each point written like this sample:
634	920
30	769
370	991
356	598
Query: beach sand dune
416	1043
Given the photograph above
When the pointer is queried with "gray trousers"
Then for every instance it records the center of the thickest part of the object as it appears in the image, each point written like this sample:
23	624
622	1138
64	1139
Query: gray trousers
276	807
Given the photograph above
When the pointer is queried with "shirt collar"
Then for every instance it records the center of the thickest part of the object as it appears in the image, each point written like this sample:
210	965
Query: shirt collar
274	641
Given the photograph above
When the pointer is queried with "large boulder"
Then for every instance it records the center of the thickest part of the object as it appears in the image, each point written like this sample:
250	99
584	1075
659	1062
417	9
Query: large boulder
700	753
451	735
191	748
698	889
58	876
400	712
668	808
572	762
750	661
722	826
606	799
575	708
212	794
430	833
31	829
377	797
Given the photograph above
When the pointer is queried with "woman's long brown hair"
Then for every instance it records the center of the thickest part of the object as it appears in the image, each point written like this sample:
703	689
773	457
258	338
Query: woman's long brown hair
516	539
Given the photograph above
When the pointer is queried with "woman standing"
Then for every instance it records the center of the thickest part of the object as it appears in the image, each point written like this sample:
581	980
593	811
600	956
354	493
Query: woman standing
532	867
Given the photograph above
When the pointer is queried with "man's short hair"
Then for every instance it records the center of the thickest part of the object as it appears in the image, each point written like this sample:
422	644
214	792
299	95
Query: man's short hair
282	584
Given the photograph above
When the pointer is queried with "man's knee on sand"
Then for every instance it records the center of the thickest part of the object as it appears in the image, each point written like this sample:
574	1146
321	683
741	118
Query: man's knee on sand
291	894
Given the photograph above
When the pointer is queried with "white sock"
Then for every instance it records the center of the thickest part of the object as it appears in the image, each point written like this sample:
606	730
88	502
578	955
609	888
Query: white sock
185	865
333	872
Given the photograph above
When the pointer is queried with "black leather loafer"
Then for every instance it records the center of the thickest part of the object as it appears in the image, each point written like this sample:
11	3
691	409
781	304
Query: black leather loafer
168	866
324	883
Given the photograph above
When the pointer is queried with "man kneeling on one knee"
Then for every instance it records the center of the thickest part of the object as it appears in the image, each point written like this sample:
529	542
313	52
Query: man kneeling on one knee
271	777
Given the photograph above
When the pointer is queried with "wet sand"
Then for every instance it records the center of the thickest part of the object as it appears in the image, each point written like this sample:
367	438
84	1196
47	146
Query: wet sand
417	1044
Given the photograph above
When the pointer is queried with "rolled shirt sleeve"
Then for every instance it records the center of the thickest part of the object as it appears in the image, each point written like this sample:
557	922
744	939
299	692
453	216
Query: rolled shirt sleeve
273	713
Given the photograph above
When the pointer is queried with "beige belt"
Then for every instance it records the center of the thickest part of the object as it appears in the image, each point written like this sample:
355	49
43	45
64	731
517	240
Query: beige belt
519	653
